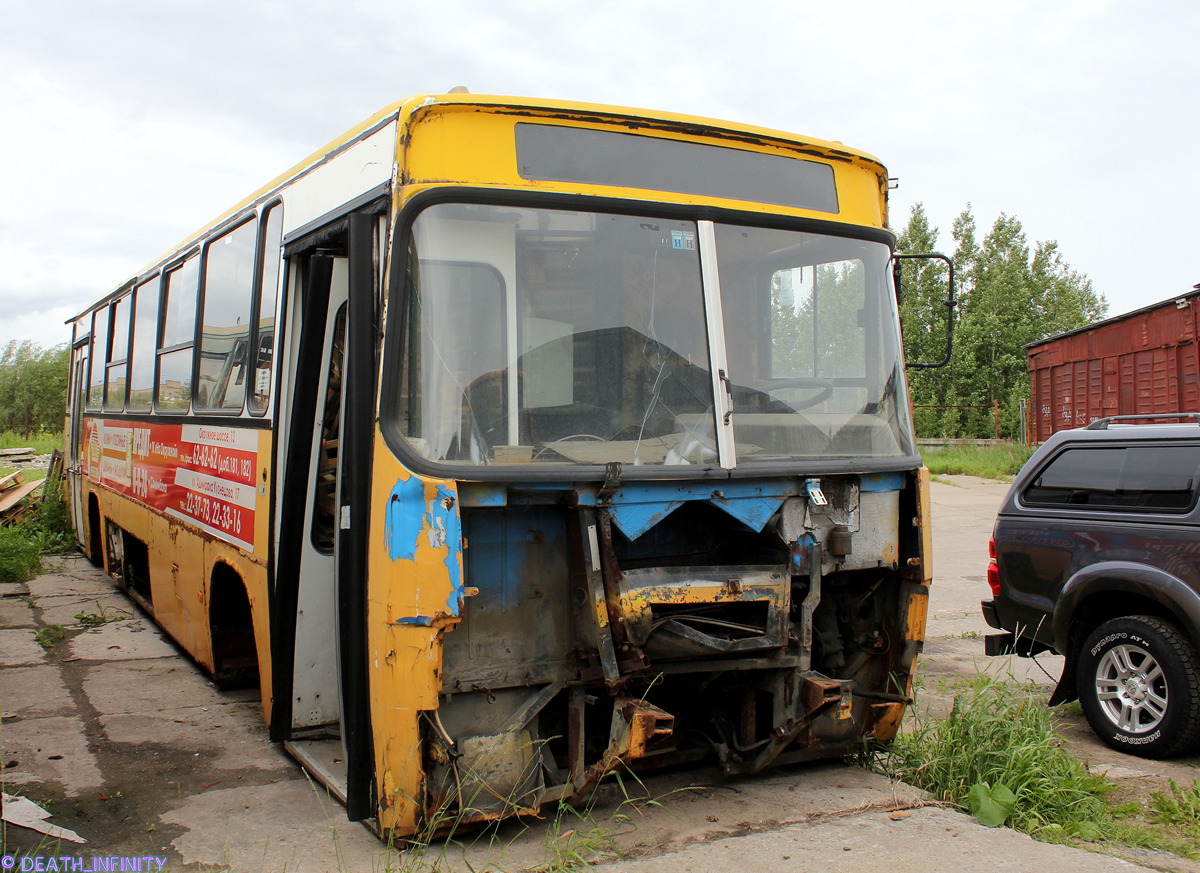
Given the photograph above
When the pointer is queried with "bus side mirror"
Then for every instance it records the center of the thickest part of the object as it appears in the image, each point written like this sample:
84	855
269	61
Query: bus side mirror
950	302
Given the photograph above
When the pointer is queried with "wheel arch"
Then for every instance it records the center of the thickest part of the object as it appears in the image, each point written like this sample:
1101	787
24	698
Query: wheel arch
95	531
1109	590
231	629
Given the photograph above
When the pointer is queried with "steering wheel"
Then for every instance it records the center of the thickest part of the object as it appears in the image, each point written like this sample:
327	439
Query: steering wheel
826	386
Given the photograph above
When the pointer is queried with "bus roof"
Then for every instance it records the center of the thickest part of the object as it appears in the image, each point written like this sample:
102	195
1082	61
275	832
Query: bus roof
409	109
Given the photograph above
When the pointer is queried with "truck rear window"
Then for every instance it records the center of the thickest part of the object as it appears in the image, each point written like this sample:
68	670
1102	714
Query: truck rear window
1150	478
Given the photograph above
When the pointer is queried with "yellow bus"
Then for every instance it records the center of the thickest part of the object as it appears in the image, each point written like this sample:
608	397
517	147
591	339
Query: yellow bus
507	443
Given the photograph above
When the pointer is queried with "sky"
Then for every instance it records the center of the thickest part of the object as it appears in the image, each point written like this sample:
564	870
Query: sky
125	125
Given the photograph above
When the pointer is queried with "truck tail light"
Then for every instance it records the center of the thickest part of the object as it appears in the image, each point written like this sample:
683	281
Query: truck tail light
993	570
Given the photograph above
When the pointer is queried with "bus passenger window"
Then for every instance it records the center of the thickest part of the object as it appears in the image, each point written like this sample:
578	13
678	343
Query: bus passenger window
225	327
268	290
118	357
178	335
99	356
141	364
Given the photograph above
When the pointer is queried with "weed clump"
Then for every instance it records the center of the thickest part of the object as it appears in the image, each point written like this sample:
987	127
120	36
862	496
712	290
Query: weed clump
988	462
45	531
1001	735
1179	807
50	636
20	554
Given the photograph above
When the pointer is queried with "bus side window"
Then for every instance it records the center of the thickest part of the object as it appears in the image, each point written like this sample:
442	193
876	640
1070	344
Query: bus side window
225	325
141	352
268	291
174	390
118	356
99	356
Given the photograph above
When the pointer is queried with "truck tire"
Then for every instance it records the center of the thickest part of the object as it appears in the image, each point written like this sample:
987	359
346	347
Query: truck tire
1138	679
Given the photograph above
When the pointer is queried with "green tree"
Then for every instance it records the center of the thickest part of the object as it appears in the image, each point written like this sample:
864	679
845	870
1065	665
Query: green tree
1010	295
923	315
33	387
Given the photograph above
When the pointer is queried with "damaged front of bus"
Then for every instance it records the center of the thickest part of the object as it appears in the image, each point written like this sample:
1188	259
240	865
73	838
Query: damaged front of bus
646	477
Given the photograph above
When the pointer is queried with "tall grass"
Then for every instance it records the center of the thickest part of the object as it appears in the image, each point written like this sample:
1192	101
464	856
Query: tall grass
988	462
20	554
1000	733
46	531
1001	741
42	442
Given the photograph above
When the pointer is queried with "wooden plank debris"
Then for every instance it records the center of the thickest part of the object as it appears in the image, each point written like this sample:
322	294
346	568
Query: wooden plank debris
10	500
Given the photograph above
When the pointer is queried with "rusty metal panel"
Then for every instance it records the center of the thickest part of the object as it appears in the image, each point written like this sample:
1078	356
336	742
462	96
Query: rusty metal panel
1166	383
1042	406
1141	362
1095	389
1189	375
1110	402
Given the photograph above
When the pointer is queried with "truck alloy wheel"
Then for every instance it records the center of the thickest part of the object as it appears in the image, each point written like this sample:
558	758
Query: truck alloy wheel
1139	684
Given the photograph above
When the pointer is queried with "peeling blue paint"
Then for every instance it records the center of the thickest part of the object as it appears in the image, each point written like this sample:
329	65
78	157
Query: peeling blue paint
881	482
801	550
404	518
634	519
492	494
753	511
637	507
445	524
409	517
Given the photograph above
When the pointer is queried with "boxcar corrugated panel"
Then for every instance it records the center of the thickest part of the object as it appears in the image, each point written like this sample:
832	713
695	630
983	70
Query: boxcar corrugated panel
1060	396
1189	376
1143	381
1040	409
1079	393
1143	362
1112	386
1095	389
1129	394
1166	385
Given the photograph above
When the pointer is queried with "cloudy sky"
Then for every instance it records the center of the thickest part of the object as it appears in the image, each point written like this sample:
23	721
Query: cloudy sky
127	124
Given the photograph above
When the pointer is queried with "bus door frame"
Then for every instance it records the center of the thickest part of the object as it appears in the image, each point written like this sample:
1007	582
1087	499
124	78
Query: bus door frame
80	355
303	357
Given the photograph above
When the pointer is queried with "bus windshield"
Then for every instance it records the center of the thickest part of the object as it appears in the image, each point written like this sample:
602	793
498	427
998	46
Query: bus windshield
575	338
814	347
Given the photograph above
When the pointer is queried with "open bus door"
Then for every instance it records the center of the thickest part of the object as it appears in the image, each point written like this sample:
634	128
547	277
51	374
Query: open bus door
75	450
321	708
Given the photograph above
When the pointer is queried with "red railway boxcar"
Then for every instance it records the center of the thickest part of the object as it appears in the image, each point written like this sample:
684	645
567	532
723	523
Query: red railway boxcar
1144	361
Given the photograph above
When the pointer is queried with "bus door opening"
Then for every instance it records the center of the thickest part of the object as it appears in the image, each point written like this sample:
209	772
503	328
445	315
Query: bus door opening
307	578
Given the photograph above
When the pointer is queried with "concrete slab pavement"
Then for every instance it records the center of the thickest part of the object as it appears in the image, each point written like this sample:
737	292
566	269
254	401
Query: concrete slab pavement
153	759
18	648
925	840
